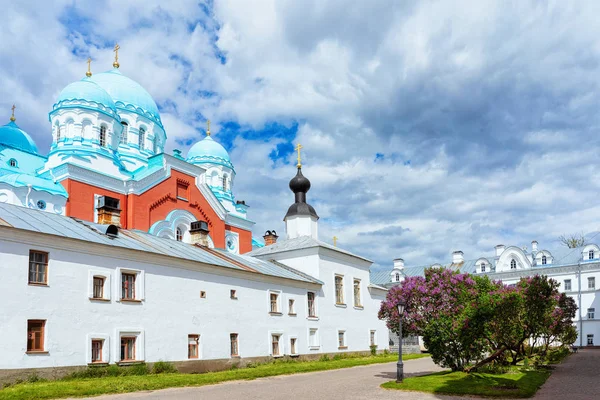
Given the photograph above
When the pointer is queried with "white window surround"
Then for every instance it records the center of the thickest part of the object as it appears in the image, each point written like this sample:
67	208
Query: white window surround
138	333
279	295
314	342
289	340
105	347
360	305
345	339
343	302
279	333
316	306
106	290
374	331
139	283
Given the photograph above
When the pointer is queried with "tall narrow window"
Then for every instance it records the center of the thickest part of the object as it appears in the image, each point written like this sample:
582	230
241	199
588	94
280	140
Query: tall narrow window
127	286
273	299
58	133
128	348
372	340
291	310
313	337
103	136
225	183
155	145
97	350
293	346
482	267
193	342
397	277
590	340
124	133
233	339
513	264
357	302
342	339
567	285
142	138
339	290
275	345
179	234
591	283
98	287
591	255
38	267
312	312
544	260
591	312
35	335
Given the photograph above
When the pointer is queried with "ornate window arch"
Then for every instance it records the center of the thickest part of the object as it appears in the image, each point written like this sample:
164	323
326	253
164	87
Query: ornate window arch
513	264
124	132
179	234
544	260
12	162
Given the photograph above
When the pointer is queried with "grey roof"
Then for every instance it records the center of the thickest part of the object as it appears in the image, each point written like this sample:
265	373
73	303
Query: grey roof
302	242
57	225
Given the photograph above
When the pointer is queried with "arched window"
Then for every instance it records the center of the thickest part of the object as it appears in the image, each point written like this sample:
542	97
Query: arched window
155	145
544	260
397	277
12	162
591	255
124	133
141	138
224	183
58	132
482	267
103	136
513	264
179	234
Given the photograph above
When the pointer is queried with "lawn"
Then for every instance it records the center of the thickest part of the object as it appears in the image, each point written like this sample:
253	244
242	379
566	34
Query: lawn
517	382
122	384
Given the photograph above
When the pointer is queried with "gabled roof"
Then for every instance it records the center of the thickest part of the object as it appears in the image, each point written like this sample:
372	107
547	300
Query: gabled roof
299	243
57	225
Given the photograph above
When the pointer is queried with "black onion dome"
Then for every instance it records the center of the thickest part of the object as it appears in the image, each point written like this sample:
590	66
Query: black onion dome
300	185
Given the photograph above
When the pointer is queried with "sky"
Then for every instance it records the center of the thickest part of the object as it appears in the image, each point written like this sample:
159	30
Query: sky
427	126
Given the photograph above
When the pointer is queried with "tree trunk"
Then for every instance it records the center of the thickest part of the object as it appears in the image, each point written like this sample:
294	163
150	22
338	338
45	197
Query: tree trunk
487	360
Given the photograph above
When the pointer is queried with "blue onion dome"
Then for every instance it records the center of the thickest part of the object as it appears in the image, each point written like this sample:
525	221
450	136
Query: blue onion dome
208	151
86	93
13	136
127	94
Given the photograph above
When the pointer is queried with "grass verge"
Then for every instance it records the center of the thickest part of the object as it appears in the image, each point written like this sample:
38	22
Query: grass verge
516	382
122	384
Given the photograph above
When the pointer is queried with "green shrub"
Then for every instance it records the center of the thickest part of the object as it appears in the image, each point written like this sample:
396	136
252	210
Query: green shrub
163	367
137	369
324	357
373	348
35	378
556	355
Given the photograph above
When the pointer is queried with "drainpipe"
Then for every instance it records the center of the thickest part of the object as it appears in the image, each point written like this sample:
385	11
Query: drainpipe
579	300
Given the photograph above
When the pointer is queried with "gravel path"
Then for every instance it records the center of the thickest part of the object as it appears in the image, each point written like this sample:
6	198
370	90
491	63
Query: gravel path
343	384
577	378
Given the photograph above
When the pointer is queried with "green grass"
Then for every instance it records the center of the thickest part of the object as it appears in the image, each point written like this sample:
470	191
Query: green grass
121	384
517	382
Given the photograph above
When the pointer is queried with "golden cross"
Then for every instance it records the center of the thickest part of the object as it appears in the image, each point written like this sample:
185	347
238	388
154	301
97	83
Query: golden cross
89	71
208	127
116	50
12	117
297	148
335	238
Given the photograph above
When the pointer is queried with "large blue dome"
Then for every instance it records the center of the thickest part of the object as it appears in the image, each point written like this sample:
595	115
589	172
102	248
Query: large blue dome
208	151
88	91
13	136
127	94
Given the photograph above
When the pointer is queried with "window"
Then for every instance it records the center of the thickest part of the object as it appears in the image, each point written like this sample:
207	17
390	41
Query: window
357	302
103	136
128	348
41	204
591	255
544	260
127	286
35	335
38	267
182	191
141	138
372	341
397	277
225	183
233	339
311	304
193	341
592	283
590	340
232	294
591	312
339	289
179	234
567	285
313	337
98	287
12	162
58	133
275	345
124	133
202	294
293	346
291	310
513	264
482	267
97	350
274	298
341	339
155	145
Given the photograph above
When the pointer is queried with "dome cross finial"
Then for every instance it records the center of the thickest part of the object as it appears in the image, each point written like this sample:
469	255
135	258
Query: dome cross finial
335	239
89	71
116	50
12	117
208	127
297	148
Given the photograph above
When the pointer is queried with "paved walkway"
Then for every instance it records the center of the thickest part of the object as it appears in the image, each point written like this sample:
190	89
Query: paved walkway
343	384
577	378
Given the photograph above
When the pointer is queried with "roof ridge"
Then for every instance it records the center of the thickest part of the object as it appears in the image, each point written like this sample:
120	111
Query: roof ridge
295	271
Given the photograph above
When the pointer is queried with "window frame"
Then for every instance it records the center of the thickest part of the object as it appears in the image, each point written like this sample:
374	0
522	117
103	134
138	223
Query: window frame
544	260
316	345
372	337
590	339
591	312
234	344
567	281
357	305
513	264
102	136
276	341
339	292
482	267
293	346
13	163
100	352
591	254
139	286
591	283
37	264
196	338
42	336
128	338
124	133
276	302
291	306
314	314
141	138
341	339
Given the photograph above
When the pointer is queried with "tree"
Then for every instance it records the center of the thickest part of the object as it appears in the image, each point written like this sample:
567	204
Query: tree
572	241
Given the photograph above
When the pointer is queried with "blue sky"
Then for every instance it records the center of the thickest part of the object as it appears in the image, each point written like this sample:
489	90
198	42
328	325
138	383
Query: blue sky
428	127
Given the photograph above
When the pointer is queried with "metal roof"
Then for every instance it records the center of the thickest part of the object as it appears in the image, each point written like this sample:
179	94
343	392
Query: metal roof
57	225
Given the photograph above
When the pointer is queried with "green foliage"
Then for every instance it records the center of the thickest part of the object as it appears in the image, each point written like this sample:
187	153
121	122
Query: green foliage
35	378
373	349
163	367
324	357
111	370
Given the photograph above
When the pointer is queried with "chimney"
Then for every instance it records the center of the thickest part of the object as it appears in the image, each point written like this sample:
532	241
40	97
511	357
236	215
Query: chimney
398	263
534	245
109	211
499	250
199	233
270	238
458	257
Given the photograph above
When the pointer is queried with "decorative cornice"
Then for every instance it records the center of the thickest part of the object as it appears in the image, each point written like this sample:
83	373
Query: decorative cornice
199	208
162	201
183	182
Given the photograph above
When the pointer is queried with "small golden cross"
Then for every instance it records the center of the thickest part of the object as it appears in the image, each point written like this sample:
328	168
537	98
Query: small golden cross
89	71
116	50
12	117
208	127
335	238
297	148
